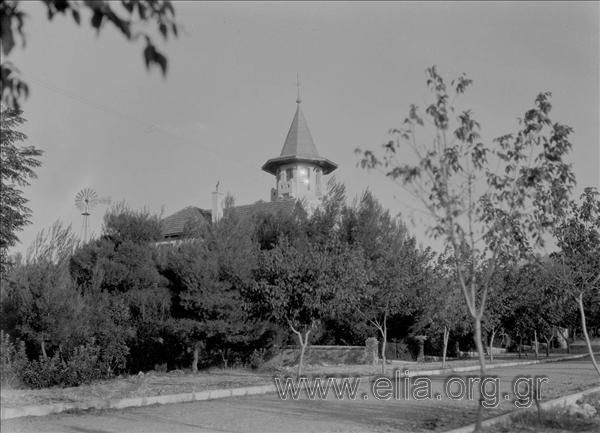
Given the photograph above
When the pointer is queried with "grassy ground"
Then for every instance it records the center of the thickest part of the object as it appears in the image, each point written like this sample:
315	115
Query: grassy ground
144	385
154	383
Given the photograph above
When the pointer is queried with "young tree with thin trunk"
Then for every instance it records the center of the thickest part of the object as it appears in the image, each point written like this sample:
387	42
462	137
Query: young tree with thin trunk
395	264
484	200
577	264
498	304
40	293
393	282
440	305
296	285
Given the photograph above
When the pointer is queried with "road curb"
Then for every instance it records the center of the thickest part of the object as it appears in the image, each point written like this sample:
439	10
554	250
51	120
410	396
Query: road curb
466	368
48	409
439	371
559	402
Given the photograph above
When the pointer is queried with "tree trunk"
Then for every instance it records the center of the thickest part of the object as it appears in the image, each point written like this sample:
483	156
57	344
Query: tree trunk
302	350
585	333
481	355
303	345
479	346
383	344
43	344
535	343
195	359
224	357
548	341
280	358
445	349
520	345
491	346
565	336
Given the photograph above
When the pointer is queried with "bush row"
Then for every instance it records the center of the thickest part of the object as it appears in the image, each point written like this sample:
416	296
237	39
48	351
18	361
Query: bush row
82	365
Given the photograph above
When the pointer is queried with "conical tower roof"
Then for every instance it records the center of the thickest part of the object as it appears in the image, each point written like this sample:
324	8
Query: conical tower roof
299	147
299	141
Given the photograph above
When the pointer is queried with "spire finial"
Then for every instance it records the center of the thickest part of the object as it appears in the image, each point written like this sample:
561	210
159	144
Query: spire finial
298	100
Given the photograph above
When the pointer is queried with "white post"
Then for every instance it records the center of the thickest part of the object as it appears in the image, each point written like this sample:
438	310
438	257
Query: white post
217	205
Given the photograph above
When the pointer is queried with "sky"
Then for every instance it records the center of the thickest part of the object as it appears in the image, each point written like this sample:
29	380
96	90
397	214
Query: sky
226	104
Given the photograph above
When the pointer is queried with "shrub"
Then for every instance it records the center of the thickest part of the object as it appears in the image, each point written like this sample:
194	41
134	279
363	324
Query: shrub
13	360
82	366
257	358
43	372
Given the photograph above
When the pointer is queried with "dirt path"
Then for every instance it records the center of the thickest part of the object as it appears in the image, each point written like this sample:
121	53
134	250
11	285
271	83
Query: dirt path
269	413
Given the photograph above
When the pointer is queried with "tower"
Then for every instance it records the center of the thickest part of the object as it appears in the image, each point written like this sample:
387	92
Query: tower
299	169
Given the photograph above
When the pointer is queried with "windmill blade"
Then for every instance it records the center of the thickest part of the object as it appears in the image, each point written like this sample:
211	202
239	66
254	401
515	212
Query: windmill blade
86	199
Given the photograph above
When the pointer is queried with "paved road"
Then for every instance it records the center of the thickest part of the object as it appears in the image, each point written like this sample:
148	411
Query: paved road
269	413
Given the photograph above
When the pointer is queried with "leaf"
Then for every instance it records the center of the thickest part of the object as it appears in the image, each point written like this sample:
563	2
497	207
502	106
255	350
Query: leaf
128	5
141	10
76	16
96	20
153	57
168	6
162	27
8	41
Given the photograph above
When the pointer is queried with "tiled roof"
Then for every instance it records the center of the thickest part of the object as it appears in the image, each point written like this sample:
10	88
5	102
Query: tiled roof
272	207
174	224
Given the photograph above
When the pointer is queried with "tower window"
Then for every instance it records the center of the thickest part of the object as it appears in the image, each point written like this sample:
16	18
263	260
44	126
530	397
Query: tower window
318	182
289	173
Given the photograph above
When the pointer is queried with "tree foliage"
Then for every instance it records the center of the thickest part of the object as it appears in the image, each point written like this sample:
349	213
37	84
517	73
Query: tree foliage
17	164
131	18
206	278
485	200
578	270
439	305
297	286
395	266
474	208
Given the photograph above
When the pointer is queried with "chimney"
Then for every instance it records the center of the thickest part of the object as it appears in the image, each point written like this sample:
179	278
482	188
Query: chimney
217	205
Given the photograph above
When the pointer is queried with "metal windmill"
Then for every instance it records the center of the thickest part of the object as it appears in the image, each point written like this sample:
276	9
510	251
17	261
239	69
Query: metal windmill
86	200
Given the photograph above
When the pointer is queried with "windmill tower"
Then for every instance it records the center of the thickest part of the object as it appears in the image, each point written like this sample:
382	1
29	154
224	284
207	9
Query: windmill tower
86	200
